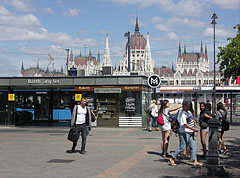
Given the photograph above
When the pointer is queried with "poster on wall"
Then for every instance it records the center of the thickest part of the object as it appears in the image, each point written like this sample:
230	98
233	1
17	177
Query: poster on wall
130	106
90	102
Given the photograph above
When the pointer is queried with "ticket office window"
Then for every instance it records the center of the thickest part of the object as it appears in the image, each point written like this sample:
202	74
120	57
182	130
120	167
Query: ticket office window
24	100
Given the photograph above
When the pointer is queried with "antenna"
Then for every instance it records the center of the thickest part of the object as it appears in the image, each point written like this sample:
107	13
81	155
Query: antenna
51	61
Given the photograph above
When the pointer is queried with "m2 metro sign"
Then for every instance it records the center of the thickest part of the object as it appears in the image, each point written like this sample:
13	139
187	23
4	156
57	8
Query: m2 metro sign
154	81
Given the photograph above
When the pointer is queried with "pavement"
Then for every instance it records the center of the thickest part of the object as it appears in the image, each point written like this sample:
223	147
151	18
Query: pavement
29	152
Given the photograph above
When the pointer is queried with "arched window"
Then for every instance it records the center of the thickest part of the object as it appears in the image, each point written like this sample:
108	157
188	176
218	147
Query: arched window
190	71
199	82
176	82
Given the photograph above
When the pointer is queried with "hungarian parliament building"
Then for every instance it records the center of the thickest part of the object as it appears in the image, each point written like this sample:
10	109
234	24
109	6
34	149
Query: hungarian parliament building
192	69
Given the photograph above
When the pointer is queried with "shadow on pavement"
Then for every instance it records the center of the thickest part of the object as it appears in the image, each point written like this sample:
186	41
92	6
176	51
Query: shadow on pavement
231	159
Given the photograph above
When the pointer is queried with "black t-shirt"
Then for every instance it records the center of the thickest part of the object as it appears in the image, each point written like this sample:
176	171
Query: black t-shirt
204	118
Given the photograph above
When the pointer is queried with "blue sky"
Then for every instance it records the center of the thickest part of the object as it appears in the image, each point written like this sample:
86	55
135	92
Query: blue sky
32	29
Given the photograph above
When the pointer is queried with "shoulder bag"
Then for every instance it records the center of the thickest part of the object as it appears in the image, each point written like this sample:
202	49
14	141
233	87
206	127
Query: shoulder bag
72	134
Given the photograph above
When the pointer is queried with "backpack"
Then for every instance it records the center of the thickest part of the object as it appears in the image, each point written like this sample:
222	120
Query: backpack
224	122
175	123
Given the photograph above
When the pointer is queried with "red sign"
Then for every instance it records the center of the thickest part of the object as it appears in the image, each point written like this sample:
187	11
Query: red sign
238	80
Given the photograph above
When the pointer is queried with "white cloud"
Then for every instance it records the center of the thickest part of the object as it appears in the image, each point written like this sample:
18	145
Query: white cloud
22	20
173	36
20	5
220	32
3	11
156	19
48	10
28	28
162	27
225	4
71	12
180	7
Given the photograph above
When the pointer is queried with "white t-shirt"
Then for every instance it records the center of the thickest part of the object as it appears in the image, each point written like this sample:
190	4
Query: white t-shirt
81	114
185	118
167	124
154	112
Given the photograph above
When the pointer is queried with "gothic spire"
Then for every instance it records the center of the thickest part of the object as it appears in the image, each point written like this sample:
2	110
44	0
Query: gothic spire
37	64
71	56
206	55
98	58
172	67
136	26
90	52
179	50
80	53
106	57
201	52
22	68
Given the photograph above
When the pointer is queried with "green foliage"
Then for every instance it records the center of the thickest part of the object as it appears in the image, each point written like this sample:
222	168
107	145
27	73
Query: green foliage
229	57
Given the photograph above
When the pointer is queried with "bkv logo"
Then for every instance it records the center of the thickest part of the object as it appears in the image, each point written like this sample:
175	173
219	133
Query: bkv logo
154	81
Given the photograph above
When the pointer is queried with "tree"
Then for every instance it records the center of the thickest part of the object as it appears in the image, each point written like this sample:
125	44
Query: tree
229	57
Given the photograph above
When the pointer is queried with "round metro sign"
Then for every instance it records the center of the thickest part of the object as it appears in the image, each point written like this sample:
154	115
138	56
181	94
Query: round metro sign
154	81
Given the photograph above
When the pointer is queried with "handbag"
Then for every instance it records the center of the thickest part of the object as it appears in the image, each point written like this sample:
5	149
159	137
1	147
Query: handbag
72	135
160	120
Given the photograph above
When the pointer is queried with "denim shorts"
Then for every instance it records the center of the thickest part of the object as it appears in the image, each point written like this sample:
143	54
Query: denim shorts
204	129
219	128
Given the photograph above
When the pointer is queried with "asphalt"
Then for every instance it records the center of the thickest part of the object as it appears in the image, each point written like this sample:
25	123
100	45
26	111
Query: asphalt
29	152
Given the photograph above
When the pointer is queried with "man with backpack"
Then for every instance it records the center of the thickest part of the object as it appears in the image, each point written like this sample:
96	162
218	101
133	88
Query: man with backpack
187	130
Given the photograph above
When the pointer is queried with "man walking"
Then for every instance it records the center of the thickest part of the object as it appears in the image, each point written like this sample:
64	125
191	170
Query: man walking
187	130
81	119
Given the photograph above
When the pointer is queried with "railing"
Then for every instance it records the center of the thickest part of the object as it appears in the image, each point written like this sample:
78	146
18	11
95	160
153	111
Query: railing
130	121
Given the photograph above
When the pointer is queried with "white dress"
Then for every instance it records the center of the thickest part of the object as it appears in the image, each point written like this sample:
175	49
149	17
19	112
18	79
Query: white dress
167	124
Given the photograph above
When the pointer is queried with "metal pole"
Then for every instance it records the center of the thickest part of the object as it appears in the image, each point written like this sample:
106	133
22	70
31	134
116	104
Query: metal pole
129	69
214	68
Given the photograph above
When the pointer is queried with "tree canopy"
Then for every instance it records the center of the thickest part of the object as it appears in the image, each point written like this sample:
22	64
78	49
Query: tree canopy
229	57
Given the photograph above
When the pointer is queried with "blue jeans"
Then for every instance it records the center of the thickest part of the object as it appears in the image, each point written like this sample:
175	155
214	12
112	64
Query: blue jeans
184	139
155	122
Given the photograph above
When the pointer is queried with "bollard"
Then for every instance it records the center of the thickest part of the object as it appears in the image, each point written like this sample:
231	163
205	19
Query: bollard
212	156
213	166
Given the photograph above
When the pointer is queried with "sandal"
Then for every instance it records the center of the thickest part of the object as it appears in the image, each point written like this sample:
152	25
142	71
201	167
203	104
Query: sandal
197	164
172	162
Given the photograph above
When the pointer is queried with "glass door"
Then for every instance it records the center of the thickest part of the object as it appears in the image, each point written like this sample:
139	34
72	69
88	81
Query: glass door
107	109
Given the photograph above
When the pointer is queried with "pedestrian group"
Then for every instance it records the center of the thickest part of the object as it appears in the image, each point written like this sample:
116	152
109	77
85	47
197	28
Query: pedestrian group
186	128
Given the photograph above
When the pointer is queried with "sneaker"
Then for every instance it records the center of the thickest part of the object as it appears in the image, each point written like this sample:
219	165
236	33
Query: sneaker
225	152
150	129
157	129
83	152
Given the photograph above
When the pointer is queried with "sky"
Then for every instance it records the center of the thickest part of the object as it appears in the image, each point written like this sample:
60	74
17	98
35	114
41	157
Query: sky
32	29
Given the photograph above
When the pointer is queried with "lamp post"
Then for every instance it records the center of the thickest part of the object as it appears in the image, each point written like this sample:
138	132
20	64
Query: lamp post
127	34
214	17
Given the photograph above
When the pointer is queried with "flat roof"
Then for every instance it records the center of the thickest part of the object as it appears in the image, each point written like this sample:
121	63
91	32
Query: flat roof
53	82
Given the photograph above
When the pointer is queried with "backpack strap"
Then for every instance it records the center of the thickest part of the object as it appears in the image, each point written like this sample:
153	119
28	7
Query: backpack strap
75	115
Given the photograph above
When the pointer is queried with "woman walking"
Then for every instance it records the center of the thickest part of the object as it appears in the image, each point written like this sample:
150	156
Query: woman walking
203	122
222	114
166	128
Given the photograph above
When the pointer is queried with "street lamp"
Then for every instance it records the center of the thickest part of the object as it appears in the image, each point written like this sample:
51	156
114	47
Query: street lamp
214	17
127	34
